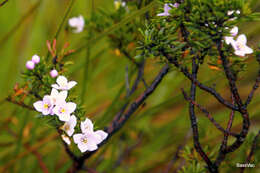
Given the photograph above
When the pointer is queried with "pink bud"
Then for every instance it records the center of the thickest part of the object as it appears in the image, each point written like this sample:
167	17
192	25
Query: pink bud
54	73
30	65
36	59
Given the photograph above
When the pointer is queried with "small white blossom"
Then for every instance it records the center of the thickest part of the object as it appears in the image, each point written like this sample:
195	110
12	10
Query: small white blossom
69	126
77	23
86	141
66	139
63	84
45	106
63	110
241	49
88	127
166	9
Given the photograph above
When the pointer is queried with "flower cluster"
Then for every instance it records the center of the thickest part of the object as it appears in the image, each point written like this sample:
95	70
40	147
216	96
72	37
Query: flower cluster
239	45
55	104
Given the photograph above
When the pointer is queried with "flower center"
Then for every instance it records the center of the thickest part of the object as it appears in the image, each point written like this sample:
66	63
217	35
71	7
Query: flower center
240	46
84	140
62	110
46	106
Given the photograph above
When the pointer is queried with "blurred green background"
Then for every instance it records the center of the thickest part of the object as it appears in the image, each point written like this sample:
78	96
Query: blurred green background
149	141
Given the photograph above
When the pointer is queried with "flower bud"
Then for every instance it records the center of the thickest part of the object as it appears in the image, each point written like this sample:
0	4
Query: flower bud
30	65
36	59
54	73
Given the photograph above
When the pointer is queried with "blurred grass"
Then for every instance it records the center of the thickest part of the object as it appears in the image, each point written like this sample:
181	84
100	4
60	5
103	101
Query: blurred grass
162	123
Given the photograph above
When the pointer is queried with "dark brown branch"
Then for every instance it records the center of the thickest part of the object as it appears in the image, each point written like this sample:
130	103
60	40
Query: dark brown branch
20	104
208	115
253	148
193	120
210	90
255	87
3	3
241	108
115	126
222	154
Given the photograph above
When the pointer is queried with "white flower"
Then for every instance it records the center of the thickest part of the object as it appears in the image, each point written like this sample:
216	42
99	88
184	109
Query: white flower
58	97
77	23
45	106
66	139
87	141
69	126
63	84
88	127
63	110
241	49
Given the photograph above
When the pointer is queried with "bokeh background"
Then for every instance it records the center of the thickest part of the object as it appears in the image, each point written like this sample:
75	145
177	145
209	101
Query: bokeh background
150	139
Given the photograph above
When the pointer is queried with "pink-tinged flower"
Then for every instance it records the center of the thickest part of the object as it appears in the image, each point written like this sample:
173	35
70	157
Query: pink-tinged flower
63	110
241	49
63	84
58	97
87	141
88	127
54	73
77	23
69	126
166	9
45	106
30	65
35	59
66	139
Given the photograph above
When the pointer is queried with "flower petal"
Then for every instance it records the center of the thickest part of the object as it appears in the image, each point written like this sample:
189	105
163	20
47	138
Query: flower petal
55	86
61	80
70	106
77	138
103	135
86	126
82	147
64	117
242	39
38	106
71	84
66	139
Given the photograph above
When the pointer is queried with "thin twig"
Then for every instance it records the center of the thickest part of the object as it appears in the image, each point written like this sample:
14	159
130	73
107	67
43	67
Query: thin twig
209	116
